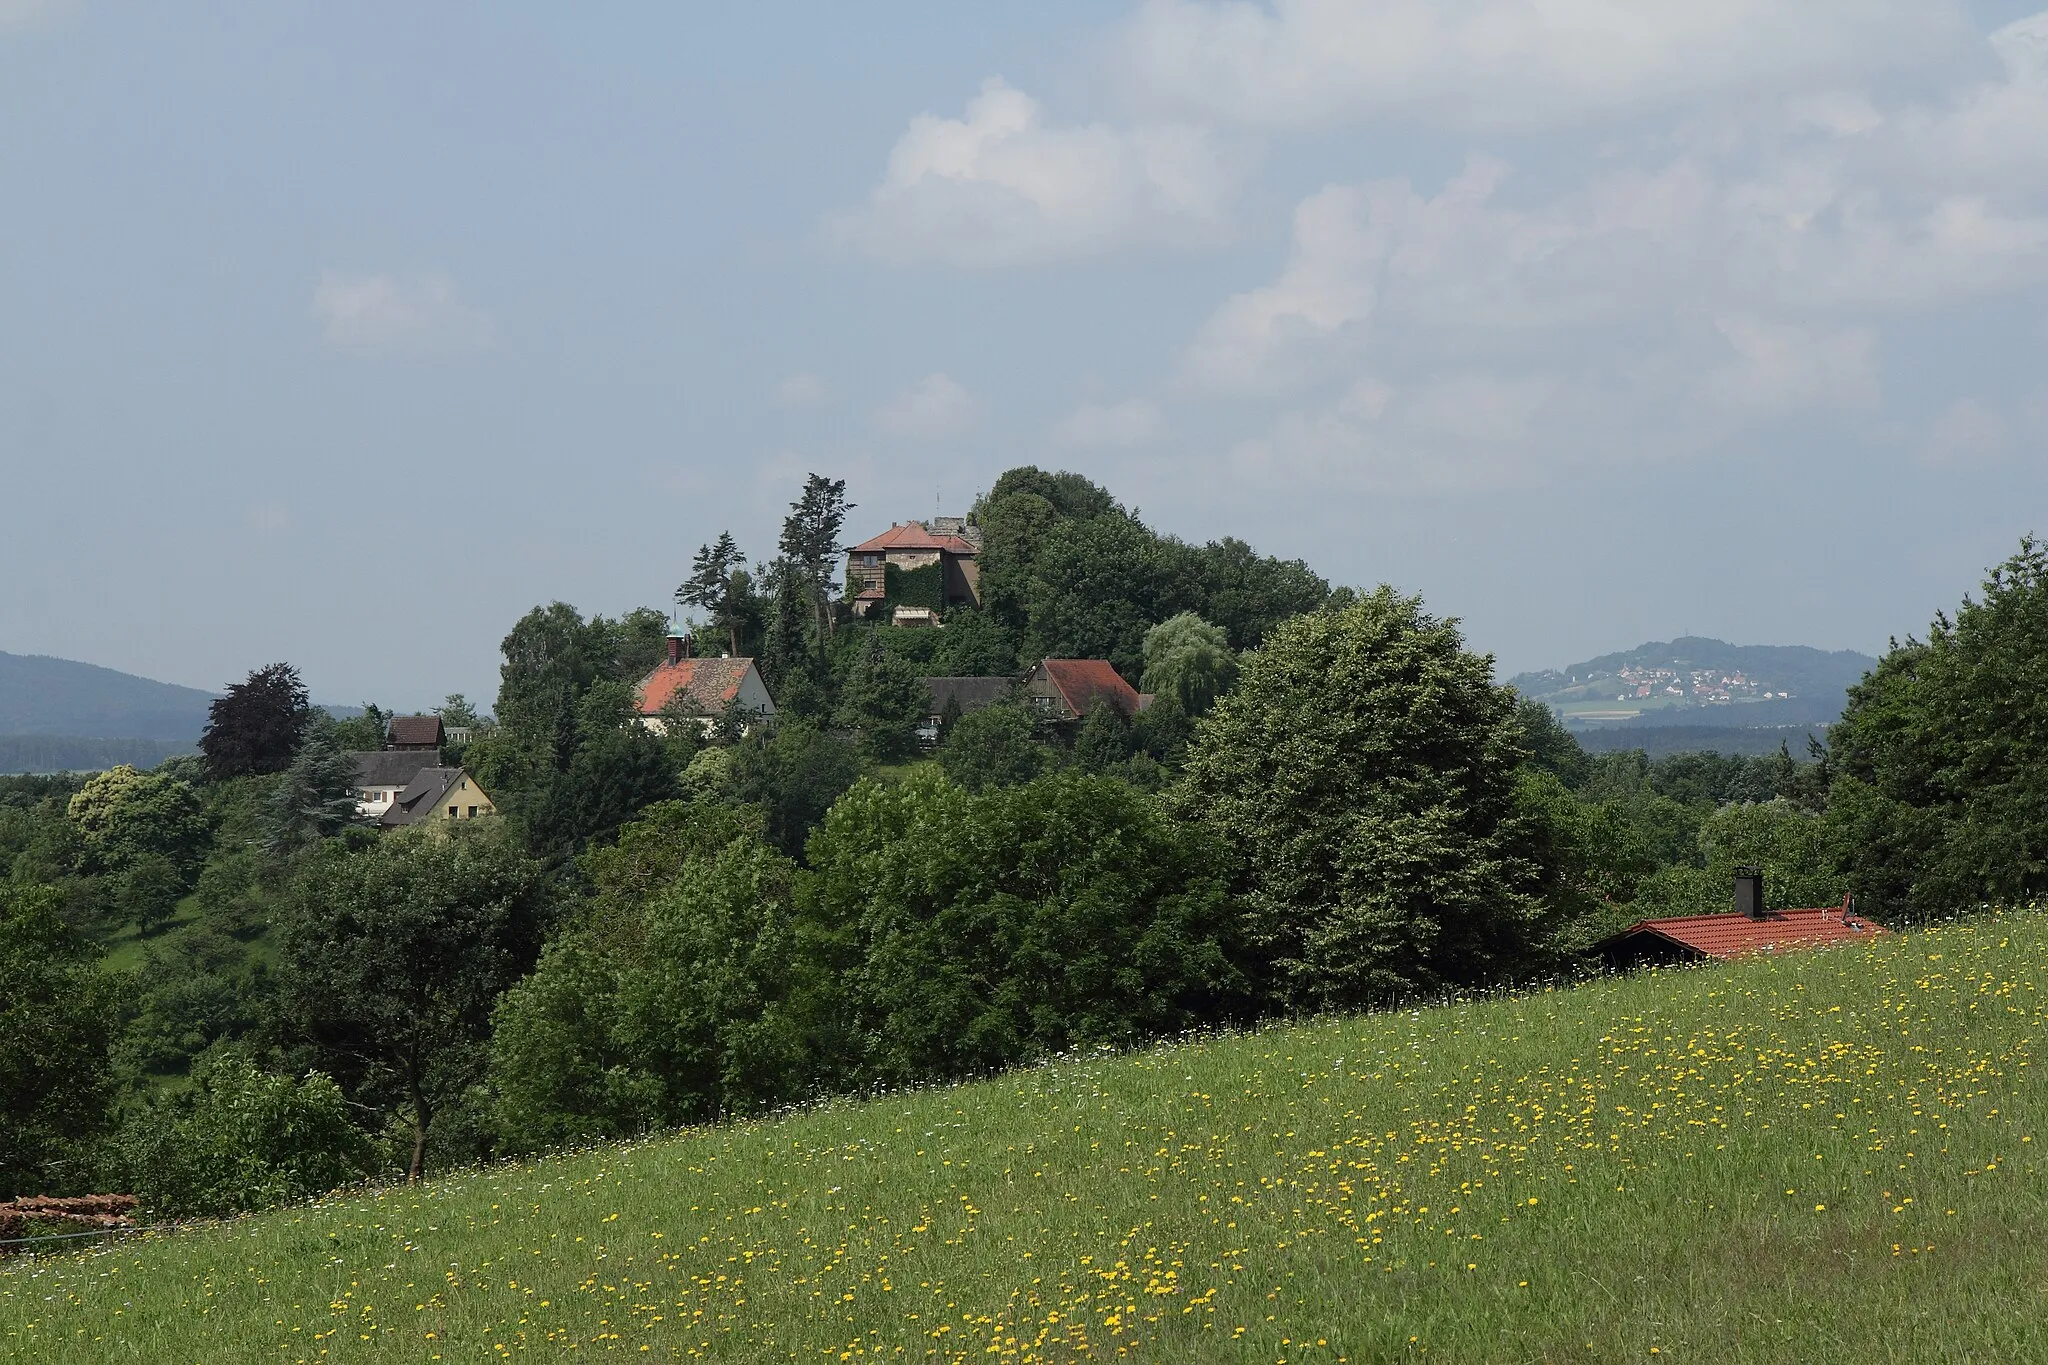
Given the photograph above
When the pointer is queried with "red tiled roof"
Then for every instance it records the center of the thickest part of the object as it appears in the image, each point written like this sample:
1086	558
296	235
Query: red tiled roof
1731	935
912	536
705	686
1081	682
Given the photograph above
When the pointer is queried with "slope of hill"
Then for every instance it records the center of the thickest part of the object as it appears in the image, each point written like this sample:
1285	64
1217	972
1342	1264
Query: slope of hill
40	695
1821	1156
1696	681
69	754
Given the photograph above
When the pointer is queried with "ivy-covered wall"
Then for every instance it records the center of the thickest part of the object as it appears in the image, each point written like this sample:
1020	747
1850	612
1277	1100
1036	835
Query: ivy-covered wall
924	587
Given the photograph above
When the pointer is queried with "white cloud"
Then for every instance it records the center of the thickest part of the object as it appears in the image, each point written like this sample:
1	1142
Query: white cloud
800	390
1001	186
384	311
1972	432
1781	366
1499	62
1757	268
1111	426
934	408
1446	434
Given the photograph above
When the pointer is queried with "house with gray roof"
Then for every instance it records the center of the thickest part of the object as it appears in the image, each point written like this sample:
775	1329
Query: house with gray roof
396	787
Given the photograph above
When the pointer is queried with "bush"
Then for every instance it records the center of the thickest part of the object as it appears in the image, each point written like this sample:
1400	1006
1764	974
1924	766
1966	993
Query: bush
241	1138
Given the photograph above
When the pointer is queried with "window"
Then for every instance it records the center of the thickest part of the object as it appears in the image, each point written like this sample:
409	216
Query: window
451	812
472	812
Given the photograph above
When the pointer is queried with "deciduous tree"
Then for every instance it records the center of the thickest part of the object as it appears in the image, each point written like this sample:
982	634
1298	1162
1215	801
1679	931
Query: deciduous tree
1940	798
258	725
1191	659
1365	768
58	1016
391	959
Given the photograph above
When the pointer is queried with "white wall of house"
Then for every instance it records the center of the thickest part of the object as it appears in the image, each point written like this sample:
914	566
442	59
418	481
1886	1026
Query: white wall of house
372	802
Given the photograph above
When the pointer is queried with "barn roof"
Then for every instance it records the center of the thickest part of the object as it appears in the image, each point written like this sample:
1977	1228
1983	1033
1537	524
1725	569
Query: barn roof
414	732
911	535
972	693
703	686
1725	936
390	767
1083	682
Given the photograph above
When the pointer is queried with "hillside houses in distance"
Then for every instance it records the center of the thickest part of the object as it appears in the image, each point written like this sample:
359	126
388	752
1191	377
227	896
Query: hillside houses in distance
910	573
1705	686
704	689
405	782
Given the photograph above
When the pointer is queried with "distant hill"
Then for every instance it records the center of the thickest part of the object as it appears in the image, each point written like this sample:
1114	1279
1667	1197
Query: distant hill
51	697
68	754
1696	682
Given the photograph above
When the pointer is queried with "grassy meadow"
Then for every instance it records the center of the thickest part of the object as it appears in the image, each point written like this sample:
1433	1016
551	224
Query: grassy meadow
1822	1156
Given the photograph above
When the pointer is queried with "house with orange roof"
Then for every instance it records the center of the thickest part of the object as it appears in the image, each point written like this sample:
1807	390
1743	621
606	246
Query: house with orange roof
916	567
700	688
1745	931
1066	690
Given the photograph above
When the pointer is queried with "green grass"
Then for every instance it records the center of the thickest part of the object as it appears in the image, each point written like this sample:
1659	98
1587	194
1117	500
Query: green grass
1819	1157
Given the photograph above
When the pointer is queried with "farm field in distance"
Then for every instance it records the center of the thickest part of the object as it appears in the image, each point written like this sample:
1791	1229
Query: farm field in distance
1820	1156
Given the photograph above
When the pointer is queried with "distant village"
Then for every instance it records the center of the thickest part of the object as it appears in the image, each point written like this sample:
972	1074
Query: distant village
906	576
1707	686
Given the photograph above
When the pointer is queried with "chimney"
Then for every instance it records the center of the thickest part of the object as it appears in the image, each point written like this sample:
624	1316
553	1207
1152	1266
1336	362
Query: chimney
678	643
1749	892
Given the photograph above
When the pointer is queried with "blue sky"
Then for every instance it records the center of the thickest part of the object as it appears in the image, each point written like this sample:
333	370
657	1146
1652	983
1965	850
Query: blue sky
343	334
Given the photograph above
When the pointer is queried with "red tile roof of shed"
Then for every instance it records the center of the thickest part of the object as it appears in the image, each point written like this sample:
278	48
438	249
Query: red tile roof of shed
1731	935
705	685
1083	681
911	536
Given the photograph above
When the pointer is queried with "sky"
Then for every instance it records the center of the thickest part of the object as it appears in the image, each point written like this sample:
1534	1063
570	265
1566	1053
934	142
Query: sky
345	334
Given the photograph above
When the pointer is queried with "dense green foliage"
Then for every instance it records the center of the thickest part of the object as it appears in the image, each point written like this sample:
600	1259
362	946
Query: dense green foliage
993	747
980	931
56	1024
239	1137
1190	660
220	987
1940	791
393	957
1365	768
1076	576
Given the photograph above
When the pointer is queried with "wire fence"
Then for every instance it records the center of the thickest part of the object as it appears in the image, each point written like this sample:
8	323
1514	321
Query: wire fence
89	1232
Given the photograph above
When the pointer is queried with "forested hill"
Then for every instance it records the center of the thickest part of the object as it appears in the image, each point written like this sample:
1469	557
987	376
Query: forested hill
1696	681
43	696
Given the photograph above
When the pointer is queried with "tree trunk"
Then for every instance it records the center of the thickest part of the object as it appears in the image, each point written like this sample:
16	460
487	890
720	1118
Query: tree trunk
422	1115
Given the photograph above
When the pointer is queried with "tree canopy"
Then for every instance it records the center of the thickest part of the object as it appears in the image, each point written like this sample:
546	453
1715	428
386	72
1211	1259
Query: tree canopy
258	725
1365	768
392	958
1940	798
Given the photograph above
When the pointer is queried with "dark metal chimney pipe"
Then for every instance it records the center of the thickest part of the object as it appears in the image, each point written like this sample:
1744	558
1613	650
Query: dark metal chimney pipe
1749	892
